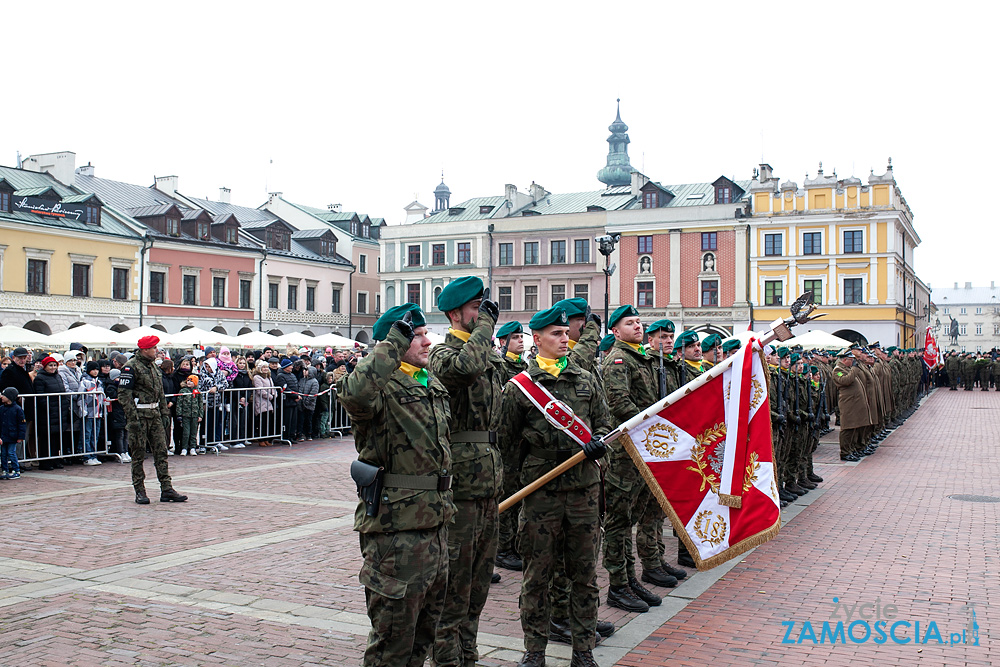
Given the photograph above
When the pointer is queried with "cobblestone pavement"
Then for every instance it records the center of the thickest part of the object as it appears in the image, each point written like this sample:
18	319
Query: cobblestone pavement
260	566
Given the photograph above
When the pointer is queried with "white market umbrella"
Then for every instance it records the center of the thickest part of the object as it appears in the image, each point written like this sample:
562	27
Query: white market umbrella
297	340
89	335
256	339
197	336
11	336
131	337
335	341
815	339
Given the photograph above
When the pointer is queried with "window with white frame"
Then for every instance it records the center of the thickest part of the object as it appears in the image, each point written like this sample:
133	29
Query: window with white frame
854	290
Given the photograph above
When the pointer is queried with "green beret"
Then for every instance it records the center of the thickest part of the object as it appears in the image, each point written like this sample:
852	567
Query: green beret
606	343
685	338
381	329
459	292
509	328
620	312
731	345
891	349
553	315
795	358
783	352
710	342
573	307
666	325
813	369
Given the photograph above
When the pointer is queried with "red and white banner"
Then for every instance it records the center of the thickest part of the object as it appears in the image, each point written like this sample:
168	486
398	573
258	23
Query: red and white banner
931	355
709	461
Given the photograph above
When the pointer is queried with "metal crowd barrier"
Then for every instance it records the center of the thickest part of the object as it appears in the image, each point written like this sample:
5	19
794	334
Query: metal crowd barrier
229	417
340	421
56	430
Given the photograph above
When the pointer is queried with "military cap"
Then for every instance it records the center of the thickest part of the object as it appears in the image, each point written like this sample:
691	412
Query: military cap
685	338
891	349
710	342
665	325
783	352
573	307
795	358
459	292
381	329
875	344
846	352
731	345
148	342
553	315
814	369
509	328
620	312
606	343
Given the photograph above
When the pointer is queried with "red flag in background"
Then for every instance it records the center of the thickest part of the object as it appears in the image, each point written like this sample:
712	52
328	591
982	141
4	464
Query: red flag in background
930	350
708	459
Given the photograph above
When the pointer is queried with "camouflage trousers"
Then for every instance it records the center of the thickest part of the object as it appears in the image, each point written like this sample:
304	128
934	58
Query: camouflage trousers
405	576
142	432
649	532
547	517
472	546
625	509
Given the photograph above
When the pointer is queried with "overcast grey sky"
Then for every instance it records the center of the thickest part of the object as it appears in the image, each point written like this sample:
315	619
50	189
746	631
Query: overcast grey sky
363	104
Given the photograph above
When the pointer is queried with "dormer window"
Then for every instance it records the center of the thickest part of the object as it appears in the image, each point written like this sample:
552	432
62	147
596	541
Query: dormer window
366	230
651	200
93	214
204	232
232	234
723	194
173	226
484	209
4	201
327	248
278	239
354	227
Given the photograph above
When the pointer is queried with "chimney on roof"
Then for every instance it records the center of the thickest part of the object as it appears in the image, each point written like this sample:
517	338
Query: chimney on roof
638	180
336	208
271	196
166	184
968	285
60	166
86	170
224	195
766	173
537	192
956	285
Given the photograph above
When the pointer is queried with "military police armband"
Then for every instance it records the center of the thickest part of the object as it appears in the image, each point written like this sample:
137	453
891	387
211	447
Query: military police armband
125	379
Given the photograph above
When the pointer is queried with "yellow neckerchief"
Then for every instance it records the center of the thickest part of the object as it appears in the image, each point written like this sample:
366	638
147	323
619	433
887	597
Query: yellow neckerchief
418	374
514	357
464	335
572	344
772	366
637	347
695	365
552	366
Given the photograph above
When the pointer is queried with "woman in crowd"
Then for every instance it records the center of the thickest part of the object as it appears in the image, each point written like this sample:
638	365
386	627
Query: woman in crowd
263	404
170	390
49	432
239	404
184	369
211	384
71	377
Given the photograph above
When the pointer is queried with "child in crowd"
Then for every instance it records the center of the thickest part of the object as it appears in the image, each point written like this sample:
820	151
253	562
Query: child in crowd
93	405
13	430
117	425
189	410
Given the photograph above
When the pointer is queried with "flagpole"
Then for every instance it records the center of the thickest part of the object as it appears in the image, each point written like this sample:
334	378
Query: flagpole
779	330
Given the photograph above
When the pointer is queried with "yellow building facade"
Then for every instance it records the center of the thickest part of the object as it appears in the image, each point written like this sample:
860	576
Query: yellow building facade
851	243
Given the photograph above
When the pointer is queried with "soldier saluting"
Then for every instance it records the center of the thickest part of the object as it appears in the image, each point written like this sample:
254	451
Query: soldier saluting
555	408
400	416
140	396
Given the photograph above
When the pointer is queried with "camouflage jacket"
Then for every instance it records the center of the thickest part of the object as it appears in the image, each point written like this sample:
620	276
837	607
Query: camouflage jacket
630	386
141	382
474	376
189	403
521	420
400	425
584	353
512	368
671	369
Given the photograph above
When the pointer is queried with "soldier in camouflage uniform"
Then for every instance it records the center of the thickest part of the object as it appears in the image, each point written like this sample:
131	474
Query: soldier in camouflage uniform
511	347
567	508
140	396
711	351
474	376
630	386
400	416
952	366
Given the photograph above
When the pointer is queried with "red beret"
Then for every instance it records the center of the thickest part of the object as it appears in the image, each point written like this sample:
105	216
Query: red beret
48	360
147	342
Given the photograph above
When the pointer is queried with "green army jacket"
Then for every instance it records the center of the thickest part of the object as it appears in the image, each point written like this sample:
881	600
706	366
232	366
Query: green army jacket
512	367
473	375
671	369
141	382
629	384
584	353
521	420
189	403
401	425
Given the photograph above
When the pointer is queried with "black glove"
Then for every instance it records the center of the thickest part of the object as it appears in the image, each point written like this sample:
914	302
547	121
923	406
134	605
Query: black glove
489	307
595	449
591	316
782	419
405	325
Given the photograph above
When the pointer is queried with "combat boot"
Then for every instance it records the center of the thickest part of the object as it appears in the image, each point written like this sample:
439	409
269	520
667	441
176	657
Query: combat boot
658	577
805	483
795	489
683	557
643	593
813	477
605	628
495	578
785	496
559	631
622	597
583	659
171	496
674	572
509	560
532	659
140	497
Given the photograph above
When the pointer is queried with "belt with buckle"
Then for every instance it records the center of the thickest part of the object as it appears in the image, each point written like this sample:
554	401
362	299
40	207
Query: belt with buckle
147	406
418	482
487	437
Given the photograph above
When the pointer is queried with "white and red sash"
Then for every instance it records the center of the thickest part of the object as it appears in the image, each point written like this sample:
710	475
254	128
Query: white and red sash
556	412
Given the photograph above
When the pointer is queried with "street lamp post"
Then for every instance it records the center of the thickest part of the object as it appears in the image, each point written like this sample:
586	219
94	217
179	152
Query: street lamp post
606	245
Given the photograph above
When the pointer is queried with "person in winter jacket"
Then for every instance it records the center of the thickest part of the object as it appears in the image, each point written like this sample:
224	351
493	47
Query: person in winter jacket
93	407
117	426
13	431
239	403
290	399
71	376
189	410
263	404
309	387
51	413
212	383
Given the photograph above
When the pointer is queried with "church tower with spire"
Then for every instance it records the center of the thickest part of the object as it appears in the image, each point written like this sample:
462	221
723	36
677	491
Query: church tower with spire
618	171
442	196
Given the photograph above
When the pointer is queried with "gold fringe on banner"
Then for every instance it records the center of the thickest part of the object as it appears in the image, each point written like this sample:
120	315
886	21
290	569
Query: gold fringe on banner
730	500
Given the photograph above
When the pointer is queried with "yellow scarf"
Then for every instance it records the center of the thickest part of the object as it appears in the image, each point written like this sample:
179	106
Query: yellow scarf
695	365
464	335
571	343
637	347
514	357
552	366
418	374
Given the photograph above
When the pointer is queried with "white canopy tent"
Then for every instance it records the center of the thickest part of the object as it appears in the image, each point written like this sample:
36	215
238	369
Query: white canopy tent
196	336
816	339
89	335
11	336
743	336
131	337
257	339
335	341
297	340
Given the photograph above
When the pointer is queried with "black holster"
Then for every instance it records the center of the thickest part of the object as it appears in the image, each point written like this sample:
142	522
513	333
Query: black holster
369	480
